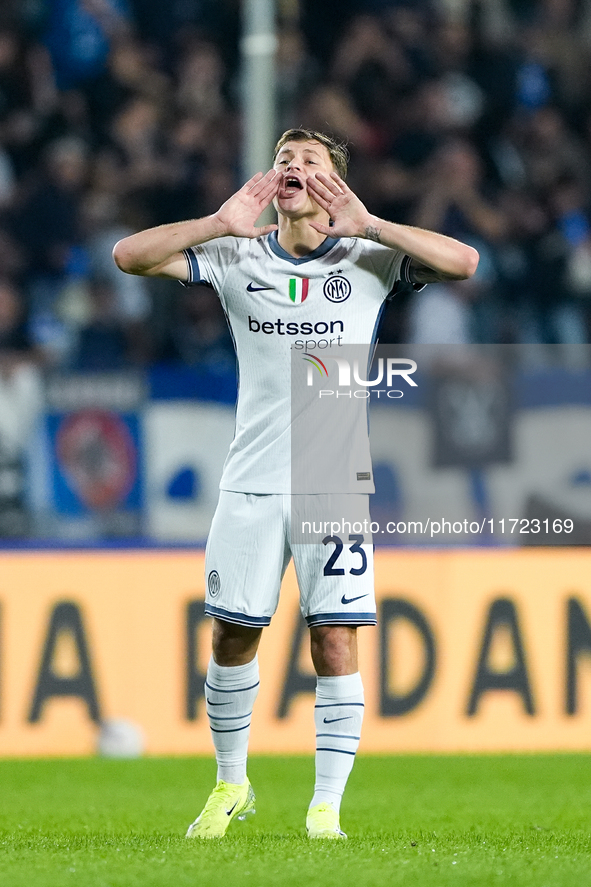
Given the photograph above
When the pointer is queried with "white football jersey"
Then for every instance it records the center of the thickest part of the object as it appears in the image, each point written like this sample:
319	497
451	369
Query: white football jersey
280	310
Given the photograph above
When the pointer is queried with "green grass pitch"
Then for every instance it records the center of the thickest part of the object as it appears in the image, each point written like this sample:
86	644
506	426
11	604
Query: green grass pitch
413	821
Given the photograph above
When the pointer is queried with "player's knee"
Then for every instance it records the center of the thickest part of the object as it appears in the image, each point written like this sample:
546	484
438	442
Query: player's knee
334	649
234	644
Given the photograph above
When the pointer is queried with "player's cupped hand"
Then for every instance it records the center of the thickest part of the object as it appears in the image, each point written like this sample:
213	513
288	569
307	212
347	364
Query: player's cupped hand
237	216
349	215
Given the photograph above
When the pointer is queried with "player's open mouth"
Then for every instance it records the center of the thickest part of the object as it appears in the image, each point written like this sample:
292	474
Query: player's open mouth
290	185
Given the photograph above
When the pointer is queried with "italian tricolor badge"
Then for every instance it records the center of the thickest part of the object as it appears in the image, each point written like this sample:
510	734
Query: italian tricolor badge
298	289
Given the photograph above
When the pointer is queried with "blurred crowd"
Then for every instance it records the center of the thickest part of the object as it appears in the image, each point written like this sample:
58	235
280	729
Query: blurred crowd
471	117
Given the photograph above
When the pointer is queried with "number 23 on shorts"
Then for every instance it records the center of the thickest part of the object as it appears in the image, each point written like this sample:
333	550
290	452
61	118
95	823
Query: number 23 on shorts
330	568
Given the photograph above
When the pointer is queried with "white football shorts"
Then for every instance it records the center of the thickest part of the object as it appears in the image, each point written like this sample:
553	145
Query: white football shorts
250	545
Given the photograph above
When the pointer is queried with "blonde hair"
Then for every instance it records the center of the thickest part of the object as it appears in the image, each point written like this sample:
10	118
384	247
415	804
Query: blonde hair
337	150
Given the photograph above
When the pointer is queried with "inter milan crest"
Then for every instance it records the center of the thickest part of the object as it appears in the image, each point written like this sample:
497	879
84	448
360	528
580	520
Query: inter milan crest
213	583
337	289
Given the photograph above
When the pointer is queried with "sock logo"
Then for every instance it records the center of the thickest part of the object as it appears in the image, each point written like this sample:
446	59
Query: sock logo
334	720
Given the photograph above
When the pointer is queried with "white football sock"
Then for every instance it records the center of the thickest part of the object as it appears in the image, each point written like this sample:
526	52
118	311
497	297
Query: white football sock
338	716
230	692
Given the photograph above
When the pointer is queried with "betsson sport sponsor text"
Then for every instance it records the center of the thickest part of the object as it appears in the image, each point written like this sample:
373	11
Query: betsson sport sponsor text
320	328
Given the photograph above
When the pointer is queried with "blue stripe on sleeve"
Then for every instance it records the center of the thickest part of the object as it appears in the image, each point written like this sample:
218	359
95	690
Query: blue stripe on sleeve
406	275
193	270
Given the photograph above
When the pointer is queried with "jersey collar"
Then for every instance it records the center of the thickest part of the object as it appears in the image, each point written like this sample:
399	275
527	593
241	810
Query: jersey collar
321	250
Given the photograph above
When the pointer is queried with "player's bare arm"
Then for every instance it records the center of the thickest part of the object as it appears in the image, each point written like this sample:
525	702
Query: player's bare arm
435	256
157	252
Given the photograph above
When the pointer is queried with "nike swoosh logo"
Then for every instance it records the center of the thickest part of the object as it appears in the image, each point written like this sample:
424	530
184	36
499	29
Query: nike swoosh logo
209	702
349	600
251	288
334	720
231	810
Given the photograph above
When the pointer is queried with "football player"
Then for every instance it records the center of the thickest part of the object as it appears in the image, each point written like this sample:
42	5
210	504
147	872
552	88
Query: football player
324	270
